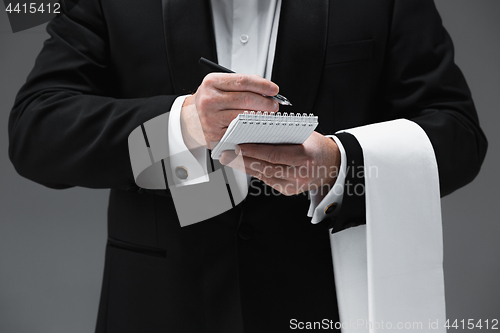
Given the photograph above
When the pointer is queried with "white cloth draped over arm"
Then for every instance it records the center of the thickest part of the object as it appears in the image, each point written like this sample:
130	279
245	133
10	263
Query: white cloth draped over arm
391	269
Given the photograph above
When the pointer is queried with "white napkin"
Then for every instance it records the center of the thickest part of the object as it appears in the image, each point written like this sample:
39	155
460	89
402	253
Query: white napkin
389	272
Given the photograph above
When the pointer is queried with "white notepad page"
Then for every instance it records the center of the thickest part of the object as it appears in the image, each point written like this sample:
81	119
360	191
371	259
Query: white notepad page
272	128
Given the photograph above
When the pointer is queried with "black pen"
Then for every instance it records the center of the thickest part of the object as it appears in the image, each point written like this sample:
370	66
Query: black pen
218	68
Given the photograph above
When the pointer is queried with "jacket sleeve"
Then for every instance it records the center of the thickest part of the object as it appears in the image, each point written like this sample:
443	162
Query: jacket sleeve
422	83
66	128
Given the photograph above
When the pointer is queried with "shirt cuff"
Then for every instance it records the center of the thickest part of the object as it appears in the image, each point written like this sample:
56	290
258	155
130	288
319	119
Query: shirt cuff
326	202
189	166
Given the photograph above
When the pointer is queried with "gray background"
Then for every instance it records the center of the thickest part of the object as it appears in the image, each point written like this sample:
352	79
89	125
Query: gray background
52	242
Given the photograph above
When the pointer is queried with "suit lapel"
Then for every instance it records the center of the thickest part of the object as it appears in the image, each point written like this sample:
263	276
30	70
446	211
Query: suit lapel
189	35
299	55
300	50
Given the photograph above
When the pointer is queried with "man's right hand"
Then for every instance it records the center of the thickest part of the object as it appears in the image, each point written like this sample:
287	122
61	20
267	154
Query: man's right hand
206	115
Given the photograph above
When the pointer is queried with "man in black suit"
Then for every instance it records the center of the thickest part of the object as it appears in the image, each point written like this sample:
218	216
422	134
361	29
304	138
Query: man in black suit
110	66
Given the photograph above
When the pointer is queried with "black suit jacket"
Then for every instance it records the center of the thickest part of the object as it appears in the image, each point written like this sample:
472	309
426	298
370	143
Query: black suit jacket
111	65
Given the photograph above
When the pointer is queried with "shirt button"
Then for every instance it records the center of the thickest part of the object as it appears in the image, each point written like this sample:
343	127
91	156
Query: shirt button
245	232
181	172
244	39
331	208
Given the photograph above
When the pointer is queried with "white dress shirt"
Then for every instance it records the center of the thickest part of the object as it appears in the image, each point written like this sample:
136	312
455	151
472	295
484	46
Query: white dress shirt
245	34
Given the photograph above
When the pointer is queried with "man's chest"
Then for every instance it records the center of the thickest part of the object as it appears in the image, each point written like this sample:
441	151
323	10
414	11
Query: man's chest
323	49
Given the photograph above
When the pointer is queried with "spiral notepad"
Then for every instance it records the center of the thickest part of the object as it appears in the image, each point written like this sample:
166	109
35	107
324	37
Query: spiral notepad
272	128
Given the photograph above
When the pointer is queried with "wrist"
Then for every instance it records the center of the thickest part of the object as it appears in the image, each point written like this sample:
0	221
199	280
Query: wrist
335	159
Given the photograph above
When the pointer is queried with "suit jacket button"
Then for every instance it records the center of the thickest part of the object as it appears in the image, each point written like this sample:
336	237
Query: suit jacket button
181	172
245	232
331	208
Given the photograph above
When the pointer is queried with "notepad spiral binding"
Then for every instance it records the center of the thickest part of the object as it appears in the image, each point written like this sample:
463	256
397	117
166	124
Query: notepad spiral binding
277	119
264	127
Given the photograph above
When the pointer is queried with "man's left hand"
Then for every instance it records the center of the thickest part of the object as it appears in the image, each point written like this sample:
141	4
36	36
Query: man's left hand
289	169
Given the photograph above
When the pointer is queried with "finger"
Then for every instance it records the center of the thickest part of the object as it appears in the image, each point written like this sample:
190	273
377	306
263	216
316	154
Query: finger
293	155
284	186
227	157
257	168
262	169
242	82
247	101
234	161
